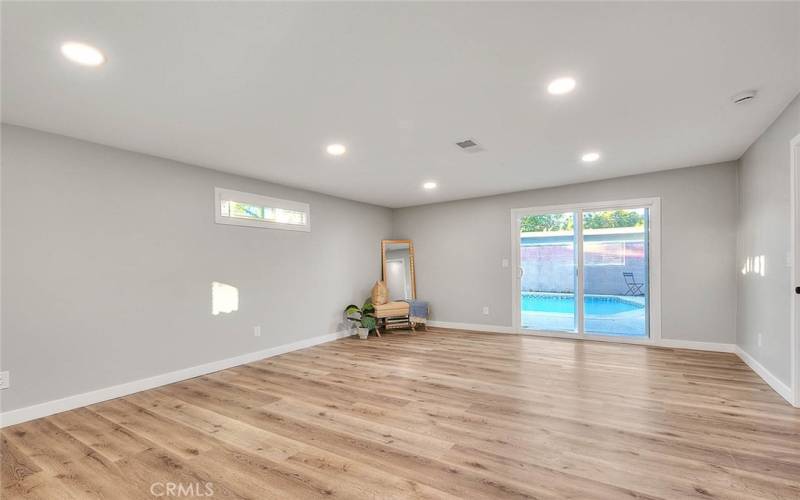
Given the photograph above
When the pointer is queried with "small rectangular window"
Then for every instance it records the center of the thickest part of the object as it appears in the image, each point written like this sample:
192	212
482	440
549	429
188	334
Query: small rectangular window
254	210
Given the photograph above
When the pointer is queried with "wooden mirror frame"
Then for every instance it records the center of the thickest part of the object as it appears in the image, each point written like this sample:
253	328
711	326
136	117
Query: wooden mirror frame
384	244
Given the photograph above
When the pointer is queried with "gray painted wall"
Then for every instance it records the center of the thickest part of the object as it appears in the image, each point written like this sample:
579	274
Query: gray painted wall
108	258
764	218
460	245
107	253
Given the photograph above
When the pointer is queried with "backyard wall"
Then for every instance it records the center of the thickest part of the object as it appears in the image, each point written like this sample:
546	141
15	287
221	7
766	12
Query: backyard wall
551	268
460	246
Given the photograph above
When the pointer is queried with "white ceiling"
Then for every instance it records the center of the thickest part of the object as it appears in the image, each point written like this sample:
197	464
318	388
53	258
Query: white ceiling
261	88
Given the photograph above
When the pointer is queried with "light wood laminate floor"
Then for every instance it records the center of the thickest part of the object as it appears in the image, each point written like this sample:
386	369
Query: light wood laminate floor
442	414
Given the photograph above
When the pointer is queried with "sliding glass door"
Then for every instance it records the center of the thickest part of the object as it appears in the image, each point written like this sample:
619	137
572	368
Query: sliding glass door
548	271
591	278
615	271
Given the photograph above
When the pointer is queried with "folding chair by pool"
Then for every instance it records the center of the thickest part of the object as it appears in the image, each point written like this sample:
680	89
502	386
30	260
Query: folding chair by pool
634	287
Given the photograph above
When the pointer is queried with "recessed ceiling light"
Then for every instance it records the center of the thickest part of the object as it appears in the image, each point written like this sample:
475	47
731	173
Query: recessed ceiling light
561	86
429	185
590	157
82	54
336	149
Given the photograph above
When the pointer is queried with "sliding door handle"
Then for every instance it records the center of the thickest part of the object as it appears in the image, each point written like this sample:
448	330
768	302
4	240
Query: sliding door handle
520	272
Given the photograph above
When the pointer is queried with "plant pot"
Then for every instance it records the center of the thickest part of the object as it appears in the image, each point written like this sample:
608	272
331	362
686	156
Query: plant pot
363	333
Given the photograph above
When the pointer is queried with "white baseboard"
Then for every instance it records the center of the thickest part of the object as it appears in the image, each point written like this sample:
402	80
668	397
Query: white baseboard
88	398
474	327
671	343
696	345
784	390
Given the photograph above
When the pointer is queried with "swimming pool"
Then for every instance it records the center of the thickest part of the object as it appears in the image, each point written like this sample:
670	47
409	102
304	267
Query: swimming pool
594	305
603	314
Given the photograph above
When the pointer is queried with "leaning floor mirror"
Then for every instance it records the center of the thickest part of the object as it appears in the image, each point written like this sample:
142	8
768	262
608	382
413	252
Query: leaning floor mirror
398	269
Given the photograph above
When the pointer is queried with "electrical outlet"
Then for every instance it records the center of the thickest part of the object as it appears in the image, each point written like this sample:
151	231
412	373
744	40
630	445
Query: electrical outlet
760	340
505	263
5	380
257	331
486	310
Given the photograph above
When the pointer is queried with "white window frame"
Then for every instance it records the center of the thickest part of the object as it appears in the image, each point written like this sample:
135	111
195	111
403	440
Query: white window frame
654	282
221	194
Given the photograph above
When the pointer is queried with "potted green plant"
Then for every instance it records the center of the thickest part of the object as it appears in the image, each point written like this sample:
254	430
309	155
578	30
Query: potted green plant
364	318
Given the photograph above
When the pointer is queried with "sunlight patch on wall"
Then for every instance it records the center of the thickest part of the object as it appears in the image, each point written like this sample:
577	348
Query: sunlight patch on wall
755	265
224	298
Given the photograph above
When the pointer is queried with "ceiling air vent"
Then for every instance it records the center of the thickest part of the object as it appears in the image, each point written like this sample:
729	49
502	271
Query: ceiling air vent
746	96
469	145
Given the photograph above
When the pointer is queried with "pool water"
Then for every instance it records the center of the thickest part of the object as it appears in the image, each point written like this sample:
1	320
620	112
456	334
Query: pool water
593	306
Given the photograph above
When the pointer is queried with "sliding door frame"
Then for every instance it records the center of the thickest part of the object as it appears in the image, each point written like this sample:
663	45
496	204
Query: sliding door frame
794	313
654	265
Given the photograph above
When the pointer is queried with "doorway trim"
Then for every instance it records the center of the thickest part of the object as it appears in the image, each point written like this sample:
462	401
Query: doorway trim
654	206
794	314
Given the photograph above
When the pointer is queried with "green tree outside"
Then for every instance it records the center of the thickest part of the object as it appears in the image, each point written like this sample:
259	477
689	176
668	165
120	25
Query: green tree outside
591	220
547	222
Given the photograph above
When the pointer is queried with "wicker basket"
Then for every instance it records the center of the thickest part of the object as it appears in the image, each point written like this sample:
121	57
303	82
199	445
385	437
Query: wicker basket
380	294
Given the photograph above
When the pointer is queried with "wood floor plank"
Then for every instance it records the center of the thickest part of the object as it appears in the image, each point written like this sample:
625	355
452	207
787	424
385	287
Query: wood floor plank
441	414
150	472
80	470
334	419
228	430
180	440
102	435
15	467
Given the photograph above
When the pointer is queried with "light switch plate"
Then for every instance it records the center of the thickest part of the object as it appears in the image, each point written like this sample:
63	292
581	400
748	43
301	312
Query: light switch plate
5	380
